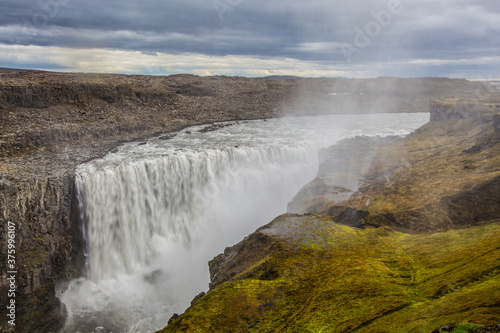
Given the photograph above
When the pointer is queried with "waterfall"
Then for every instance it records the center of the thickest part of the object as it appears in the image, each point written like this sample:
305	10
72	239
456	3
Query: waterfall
158	211
136	207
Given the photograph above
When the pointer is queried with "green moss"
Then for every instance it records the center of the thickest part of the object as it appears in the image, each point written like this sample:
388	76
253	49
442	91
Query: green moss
33	255
347	280
466	327
36	306
429	181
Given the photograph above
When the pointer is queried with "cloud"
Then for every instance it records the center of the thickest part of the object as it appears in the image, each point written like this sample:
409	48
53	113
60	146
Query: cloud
133	62
318	31
158	63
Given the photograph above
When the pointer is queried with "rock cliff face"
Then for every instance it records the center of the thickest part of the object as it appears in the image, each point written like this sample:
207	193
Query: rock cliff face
384	94
48	243
496	123
343	168
455	109
51	122
42	110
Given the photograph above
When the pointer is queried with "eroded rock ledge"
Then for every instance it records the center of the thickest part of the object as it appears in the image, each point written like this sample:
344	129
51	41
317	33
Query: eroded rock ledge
319	275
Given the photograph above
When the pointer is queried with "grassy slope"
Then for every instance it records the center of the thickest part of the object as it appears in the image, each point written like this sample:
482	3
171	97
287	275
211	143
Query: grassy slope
333	278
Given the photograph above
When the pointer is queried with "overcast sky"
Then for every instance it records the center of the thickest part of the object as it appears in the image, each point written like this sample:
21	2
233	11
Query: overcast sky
357	38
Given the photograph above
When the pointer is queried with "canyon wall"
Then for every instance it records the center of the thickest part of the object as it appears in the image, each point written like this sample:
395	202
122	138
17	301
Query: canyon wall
51	122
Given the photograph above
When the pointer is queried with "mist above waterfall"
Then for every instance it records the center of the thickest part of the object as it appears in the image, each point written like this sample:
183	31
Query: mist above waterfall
157	211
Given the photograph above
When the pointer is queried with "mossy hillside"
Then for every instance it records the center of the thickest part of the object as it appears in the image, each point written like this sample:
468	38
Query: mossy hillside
442	176
481	107
332	278
466	327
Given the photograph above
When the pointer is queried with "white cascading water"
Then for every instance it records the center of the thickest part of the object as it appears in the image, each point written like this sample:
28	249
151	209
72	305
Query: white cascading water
158	211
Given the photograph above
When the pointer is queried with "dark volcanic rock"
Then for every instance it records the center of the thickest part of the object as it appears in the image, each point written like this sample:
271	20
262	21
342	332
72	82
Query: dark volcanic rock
348	216
238	258
309	273
49	246
443	176
447	328
446	110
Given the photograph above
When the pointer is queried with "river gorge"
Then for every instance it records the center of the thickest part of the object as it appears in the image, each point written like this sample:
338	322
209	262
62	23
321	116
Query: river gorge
118	202
158	210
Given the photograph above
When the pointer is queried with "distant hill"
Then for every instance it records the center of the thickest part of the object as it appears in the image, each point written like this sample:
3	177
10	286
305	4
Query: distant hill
7	70
281	77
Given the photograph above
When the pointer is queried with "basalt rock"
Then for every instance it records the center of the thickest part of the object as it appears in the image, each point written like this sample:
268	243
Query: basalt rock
342	168
49	247
446	110
443	176
324	276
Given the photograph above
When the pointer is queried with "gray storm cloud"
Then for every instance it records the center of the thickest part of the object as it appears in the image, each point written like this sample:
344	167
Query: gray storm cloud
379	32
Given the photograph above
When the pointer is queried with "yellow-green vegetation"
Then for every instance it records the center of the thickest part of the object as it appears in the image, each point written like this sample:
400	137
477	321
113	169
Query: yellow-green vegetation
34	255
329	277
468	327
448	102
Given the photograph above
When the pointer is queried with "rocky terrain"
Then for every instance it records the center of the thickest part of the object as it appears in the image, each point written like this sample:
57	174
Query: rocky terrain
43	111
51	122
394	235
